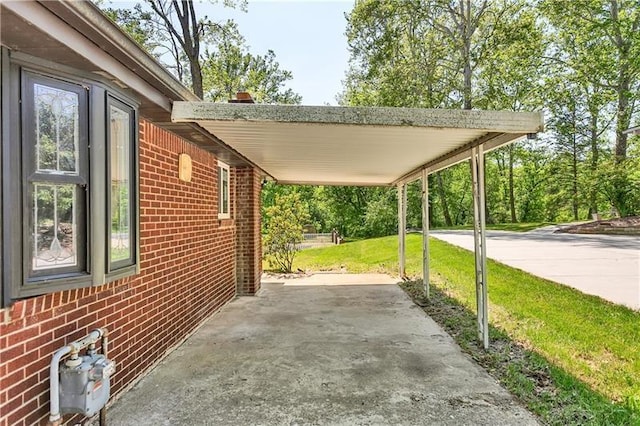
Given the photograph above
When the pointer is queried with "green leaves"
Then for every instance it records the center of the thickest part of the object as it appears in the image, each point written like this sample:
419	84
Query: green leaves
210	56
287	216
230	67
578	60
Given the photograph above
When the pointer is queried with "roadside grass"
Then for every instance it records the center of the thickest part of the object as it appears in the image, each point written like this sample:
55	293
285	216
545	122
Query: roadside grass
570	357
514	227
557	397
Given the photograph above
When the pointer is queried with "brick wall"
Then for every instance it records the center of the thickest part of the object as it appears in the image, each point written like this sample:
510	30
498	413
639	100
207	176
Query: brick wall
188	271
248	186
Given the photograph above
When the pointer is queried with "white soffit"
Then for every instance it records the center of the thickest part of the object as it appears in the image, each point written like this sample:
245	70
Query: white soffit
327	145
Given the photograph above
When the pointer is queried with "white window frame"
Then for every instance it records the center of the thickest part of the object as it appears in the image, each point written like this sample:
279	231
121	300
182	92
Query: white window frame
224	208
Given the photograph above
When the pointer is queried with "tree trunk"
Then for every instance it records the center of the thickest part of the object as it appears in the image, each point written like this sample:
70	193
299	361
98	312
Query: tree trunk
443	199
623	116
431	196
574	169
623	47
190	42
468	30
467	82
595	157
196	78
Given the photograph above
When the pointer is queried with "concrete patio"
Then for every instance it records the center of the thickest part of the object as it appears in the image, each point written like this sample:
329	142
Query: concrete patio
303	352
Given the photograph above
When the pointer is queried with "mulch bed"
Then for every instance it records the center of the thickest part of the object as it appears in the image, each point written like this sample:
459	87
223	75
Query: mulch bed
619	226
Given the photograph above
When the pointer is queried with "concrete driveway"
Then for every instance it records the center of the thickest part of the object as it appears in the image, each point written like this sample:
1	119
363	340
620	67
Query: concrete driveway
607	266
304	353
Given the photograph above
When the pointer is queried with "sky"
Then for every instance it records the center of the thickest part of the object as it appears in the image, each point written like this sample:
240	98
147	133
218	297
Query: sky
307	37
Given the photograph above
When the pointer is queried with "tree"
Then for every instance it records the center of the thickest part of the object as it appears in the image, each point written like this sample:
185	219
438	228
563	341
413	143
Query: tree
210	56
311	197
440	53
228	66
532	180
464	20
504	82
284	231
134	22
596	49
347	207
178	22
621	20
396	59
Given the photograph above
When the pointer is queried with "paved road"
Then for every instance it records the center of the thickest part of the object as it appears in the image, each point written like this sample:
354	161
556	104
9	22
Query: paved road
603	265
305	353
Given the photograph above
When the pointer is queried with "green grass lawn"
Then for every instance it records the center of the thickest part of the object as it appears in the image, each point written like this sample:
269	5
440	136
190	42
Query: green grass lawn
582	339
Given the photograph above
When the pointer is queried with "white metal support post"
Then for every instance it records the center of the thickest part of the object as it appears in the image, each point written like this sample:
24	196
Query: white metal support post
479	225
425	232
402	228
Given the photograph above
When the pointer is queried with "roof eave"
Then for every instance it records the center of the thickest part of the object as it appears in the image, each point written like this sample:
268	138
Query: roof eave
88	34
97	27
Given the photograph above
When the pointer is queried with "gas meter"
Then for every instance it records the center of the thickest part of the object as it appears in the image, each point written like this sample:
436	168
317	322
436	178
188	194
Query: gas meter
84	384
81	383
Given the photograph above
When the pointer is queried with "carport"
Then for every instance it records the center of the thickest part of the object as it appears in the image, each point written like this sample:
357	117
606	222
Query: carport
325	145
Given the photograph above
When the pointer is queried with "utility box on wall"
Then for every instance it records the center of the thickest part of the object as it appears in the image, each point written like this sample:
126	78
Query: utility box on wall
85	384
81	383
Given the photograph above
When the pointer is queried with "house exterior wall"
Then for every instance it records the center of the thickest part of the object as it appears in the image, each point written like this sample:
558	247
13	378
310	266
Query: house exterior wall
248	185
188	260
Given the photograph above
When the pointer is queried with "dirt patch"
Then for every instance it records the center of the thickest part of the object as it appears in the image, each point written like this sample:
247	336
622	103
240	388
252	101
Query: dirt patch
619	226
269	276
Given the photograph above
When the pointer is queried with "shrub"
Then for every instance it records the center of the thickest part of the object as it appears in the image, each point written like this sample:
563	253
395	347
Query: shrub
284	231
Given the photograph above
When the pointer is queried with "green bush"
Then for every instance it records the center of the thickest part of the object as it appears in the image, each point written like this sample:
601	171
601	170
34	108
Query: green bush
284	231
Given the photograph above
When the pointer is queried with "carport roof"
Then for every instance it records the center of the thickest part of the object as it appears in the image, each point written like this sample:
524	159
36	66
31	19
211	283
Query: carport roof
354	145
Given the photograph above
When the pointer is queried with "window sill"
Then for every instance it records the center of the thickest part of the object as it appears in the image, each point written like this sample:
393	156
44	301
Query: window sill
45	286
225	222
120	273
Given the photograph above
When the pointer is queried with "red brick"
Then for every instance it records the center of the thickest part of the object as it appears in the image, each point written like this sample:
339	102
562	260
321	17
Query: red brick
64	330
75	314
37	417
22	386
12	378
13	405
188	271
17	417
12	353
40	390
39	341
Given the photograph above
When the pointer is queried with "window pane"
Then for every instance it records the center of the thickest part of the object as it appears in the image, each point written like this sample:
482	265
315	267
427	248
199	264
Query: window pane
225	191
120	144
220	191
56	122
55	226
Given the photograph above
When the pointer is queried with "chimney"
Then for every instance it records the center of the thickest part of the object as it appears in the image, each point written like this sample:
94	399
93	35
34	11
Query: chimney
242	98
